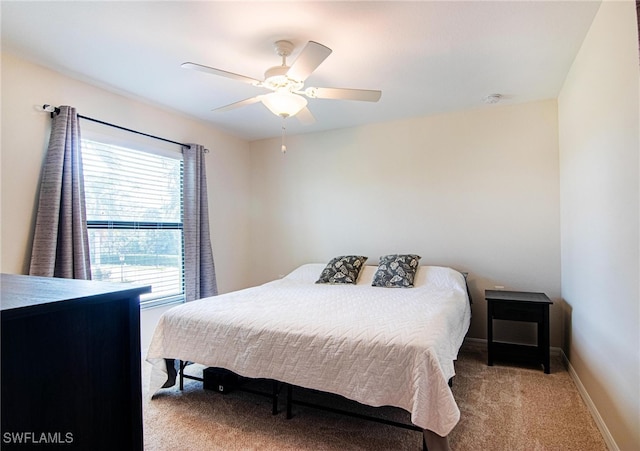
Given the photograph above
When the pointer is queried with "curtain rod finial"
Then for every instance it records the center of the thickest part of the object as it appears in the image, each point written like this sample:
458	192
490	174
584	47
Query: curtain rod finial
50	109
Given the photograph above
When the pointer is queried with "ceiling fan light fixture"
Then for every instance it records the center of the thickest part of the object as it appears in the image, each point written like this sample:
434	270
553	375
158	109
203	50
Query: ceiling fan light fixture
284	104
289	98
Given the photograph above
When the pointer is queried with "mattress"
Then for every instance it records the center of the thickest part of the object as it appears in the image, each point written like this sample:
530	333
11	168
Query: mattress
378	346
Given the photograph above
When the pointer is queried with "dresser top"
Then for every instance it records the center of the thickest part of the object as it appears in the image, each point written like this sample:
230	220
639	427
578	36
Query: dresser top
20	292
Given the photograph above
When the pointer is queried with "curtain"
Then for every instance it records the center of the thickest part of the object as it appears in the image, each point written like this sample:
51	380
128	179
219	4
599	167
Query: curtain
199	270
60	242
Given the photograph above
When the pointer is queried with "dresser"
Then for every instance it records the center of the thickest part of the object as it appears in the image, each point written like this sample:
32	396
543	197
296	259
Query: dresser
71	364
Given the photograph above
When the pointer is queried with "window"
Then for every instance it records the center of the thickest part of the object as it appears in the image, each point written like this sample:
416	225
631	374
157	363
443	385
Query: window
134	219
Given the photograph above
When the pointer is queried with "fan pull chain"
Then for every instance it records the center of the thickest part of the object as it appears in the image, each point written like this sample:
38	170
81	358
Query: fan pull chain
284	147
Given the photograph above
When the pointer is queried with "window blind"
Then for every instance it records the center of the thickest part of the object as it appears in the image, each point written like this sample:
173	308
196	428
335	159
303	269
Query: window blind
134	218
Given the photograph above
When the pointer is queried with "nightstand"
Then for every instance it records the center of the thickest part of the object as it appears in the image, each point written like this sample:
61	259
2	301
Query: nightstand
519	306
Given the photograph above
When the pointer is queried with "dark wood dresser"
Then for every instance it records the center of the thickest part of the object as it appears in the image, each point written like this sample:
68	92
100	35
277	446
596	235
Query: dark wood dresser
71	374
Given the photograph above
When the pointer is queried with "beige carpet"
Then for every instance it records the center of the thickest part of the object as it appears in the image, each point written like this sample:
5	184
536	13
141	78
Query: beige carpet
504	407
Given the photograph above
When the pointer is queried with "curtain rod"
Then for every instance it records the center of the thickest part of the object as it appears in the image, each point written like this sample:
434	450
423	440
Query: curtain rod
54	110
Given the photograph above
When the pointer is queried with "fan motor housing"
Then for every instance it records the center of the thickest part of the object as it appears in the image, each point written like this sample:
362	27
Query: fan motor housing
276	78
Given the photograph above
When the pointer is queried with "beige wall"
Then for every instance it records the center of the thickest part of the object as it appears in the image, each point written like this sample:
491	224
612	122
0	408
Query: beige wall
600	198
476	190
25	134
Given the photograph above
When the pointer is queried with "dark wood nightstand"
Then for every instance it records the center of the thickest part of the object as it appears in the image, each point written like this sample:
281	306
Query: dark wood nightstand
519	306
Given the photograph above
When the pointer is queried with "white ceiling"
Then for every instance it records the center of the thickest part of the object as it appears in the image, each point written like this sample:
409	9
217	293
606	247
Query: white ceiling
426	57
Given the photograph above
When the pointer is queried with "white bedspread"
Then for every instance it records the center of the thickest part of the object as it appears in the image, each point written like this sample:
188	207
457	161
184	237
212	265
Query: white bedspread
377	346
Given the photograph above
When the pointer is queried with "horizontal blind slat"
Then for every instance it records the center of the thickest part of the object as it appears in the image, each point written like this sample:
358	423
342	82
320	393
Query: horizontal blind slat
134	218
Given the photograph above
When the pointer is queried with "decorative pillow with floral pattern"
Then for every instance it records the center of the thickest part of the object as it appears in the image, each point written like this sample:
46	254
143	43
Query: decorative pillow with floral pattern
344	269
396	271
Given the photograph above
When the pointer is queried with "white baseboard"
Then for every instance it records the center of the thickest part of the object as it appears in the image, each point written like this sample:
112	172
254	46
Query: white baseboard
602	427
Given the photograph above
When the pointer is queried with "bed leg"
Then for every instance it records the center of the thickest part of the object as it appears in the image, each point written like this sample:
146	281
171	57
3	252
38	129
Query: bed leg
274	398
289	401
434	442
182	366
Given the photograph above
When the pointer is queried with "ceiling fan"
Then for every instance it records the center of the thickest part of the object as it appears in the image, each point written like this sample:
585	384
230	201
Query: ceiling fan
287	83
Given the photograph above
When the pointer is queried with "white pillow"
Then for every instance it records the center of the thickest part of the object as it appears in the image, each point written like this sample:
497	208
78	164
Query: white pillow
310	272
306	273
366	275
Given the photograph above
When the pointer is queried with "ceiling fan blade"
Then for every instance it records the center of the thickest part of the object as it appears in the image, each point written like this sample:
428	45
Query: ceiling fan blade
312	55
235	105
305	117
222	73
366	95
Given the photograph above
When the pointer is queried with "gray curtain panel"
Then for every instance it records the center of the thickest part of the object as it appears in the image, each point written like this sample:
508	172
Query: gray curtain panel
199	270
60	242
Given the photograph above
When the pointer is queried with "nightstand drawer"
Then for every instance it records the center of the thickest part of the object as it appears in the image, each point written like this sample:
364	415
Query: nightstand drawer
517	312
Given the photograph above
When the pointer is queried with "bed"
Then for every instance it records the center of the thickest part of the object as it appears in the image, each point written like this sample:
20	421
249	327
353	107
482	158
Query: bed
374	345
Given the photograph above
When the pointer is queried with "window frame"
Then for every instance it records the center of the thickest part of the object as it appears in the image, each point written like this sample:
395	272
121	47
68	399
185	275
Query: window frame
93	224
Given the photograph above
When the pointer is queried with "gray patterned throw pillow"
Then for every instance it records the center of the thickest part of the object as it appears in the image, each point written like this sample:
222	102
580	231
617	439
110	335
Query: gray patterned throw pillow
396	271
344	269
